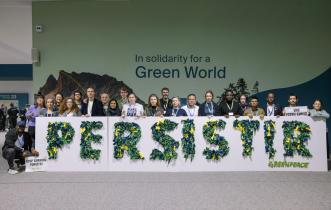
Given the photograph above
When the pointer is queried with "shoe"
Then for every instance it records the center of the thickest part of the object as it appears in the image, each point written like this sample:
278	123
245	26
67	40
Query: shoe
12	171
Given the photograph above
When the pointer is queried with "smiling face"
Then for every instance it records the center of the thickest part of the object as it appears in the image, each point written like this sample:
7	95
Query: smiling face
175	102
165	94
208	97
113	104
69	103
50	103
153	101
123	94
40	101
317	105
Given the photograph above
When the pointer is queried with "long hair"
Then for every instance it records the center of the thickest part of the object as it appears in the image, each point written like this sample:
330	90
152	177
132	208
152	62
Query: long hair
157	100
64	107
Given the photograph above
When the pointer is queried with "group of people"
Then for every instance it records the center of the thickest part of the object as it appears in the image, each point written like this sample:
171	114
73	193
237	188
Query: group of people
20	144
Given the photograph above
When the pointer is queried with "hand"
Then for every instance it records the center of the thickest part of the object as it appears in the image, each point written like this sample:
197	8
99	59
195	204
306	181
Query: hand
236	116
34	152
278	116
250	116
87	115
226	116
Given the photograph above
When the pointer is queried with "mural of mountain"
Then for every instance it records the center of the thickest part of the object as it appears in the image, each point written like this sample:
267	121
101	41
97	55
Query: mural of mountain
68	82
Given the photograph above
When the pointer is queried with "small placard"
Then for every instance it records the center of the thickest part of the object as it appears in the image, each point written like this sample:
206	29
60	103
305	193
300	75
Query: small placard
33	164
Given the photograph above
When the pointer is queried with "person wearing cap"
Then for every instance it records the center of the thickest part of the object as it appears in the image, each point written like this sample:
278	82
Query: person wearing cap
18	145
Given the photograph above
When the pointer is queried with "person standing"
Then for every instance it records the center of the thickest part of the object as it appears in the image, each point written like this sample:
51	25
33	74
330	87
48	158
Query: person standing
191	108
92	107
78	99
209	107
113	110
154	108
132	109
33	112
12	115
229	107
69	108
271	108
49	110
105	102
58	101
124	92
165	102
175	110
318	113
254	110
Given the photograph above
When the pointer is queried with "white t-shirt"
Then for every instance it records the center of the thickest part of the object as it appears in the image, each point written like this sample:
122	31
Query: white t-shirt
132	110
191	112
89	107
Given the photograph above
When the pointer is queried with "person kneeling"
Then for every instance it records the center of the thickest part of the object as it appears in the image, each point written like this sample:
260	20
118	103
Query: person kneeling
17	145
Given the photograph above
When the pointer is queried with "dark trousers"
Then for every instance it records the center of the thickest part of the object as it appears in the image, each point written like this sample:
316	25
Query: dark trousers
12	122
10	154
31	131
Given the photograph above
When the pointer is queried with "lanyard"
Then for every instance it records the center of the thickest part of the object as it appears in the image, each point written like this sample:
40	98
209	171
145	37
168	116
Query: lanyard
188	109
270	111
230	108
174	113
211	109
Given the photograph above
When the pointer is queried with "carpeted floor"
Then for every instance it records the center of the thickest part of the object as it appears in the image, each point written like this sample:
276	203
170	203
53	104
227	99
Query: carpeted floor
227	190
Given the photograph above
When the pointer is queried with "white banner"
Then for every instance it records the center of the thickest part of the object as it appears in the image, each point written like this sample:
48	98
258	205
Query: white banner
69	157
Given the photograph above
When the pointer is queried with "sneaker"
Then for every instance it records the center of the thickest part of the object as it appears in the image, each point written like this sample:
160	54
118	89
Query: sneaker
12	171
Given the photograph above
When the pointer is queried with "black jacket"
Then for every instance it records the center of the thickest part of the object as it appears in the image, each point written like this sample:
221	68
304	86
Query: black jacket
11	137
97	108
278	110
202	109
224	109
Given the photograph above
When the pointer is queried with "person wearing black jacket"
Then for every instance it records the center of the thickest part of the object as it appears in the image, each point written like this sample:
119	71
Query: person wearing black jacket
17	145
92	107
272	109
209	107
229	107
165	101
12	115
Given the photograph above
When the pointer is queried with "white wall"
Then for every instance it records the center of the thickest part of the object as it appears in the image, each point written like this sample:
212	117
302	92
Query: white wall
16	41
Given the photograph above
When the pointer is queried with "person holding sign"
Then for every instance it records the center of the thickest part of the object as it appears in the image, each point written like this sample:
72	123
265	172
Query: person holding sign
271	108
92	107
18	145
175	111
191	108
230	107
254	110
132	109
209	107
293	109
154	109
69	108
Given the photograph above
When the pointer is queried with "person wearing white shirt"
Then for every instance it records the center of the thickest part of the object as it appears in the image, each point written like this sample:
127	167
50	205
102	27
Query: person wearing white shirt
191	108
132	109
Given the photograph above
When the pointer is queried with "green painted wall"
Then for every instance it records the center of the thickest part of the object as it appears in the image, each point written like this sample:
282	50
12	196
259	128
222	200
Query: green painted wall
279	43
